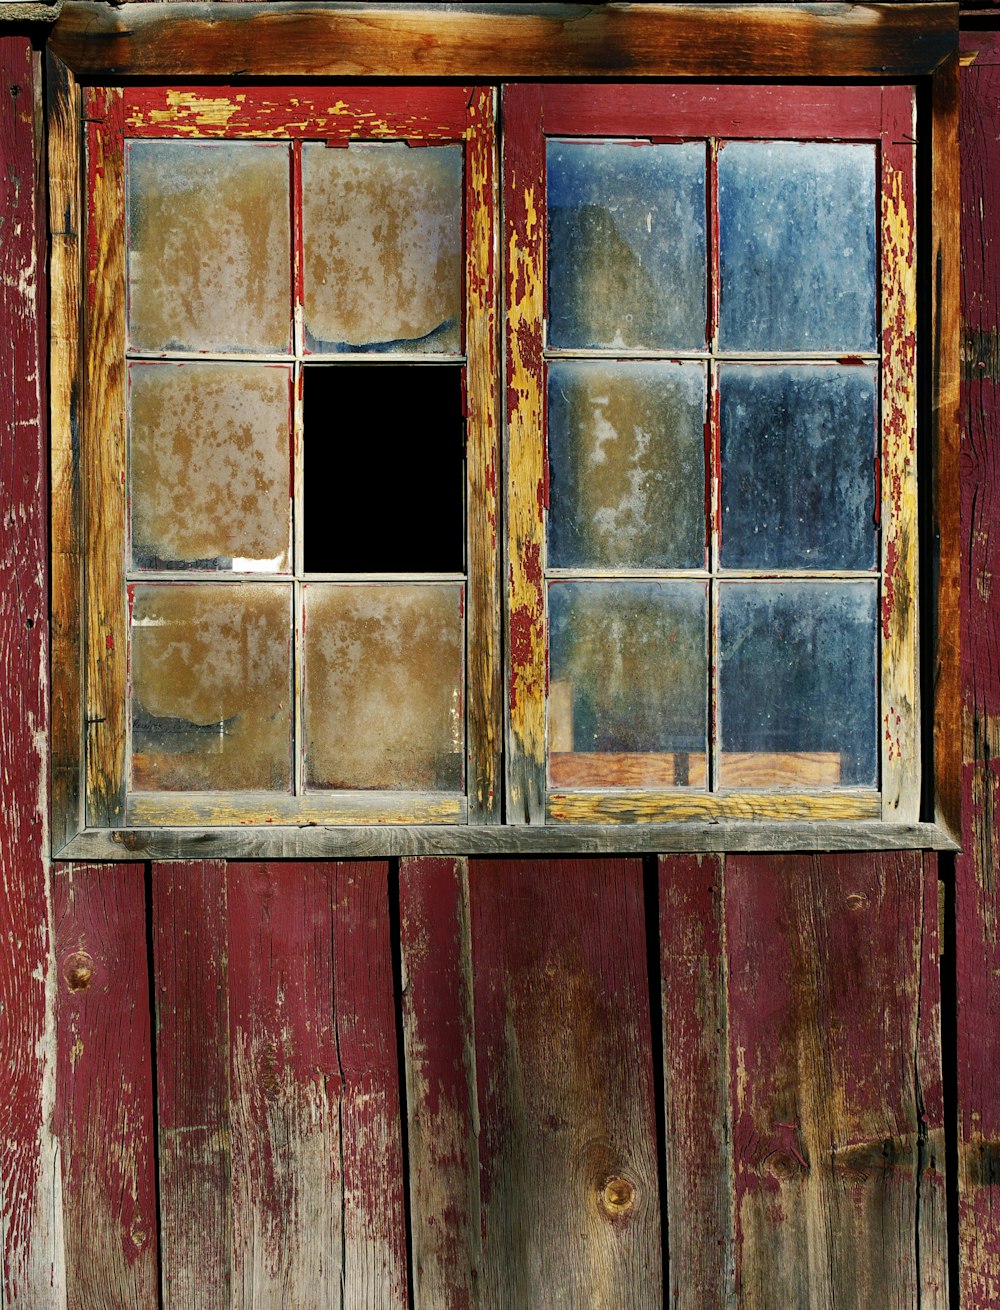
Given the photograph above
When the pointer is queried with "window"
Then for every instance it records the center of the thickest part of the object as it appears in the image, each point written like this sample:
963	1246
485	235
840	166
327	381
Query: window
329	382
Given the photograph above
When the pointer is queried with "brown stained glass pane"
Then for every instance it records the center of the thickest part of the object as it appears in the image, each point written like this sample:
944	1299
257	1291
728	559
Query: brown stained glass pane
211	672
383	237
384	680
627	464
209	246
209	460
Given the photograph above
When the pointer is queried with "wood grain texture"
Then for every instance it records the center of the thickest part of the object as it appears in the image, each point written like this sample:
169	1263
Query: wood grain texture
695	1083
834	1071
206	809
104	1110
442	1111
31	1273
641	40
570	1204
976	871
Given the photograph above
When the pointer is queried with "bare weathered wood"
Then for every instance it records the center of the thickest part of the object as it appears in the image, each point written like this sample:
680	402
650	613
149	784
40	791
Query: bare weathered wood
834	1071
31	1258
653	806
570	1203
439	1035
104	1111
208	809
501	41
695	1084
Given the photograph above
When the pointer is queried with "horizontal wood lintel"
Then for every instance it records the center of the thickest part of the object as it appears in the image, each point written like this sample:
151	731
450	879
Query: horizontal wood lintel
273	843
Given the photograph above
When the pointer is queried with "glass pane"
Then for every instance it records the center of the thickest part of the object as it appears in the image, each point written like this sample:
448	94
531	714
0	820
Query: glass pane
211	669
383	235
798	684
798	466
628	676
209	466
626	464
797	234
384	682
626	261
209	246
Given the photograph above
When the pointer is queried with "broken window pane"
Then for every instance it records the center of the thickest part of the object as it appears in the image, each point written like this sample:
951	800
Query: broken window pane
211	668
383	237
626	464
626	253
209	466
628	683
797	245
384	679
209	246
798	466
798	684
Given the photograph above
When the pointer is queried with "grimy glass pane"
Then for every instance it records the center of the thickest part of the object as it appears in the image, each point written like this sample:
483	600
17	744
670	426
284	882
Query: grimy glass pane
626	253
626	464
798	694
211	670
797	246
628	669
798	466
209	461
209	246
383	238
384	679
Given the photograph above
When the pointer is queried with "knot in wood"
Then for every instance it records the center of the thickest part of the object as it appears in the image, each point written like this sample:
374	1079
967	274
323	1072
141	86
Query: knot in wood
783	1164
618	1196
79	971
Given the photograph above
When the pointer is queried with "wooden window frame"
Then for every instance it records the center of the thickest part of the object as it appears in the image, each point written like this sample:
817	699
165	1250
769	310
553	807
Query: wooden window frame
94	46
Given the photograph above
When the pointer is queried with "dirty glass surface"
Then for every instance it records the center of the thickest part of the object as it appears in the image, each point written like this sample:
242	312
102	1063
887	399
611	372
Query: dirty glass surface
798	466
211	674
209	466
626	464
626	245
798	683
797	246
383	239
209	246
629	674
383	686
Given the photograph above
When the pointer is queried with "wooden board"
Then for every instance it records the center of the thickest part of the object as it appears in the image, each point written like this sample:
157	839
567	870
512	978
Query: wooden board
30	1218
104	1080
835	1083
567	1141
976	871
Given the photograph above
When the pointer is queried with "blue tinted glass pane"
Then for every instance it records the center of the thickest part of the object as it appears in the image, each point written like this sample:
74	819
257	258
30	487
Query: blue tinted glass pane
628	673
626	464
798	466
797	245
626	255
798	683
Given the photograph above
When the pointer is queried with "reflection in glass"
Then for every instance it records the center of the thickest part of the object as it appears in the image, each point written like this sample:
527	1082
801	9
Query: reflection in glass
209	246
626	253
209	460
384	680
798	683
628	675
626	464
798	466
211	671
383	237
791	278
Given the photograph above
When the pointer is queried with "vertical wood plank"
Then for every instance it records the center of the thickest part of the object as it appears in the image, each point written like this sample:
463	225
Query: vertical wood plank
695	1079
190	946
828	1046
977	919
439	1034
31	1272
374	1214
570	1204
104	1110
